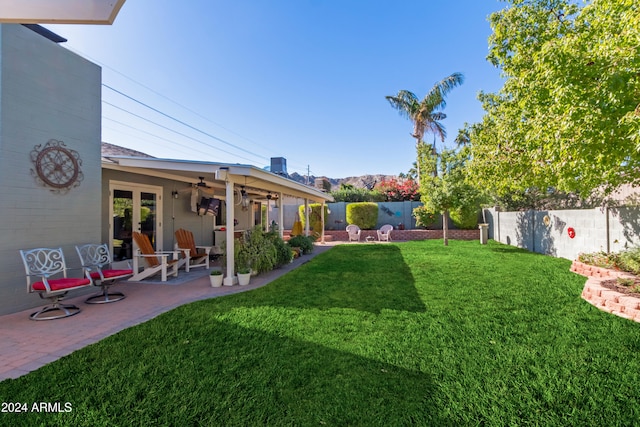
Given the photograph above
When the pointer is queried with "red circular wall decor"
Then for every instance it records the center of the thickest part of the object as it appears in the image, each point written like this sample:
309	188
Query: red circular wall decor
571	232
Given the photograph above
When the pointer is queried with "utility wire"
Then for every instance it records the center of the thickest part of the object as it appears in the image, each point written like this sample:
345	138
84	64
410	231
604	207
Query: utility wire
297	168
103	65
181	122
175	131
150	134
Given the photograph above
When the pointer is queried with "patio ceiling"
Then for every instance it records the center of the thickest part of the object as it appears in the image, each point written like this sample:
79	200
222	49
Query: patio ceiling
59	11
256	181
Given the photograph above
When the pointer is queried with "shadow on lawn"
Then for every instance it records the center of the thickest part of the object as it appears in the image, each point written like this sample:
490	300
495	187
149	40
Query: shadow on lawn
368	277
223	374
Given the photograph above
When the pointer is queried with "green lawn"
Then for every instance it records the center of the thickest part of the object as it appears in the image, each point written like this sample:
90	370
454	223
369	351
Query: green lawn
400	334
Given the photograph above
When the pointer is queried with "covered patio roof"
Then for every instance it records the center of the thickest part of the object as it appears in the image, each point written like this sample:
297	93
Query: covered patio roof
226	177
60	11
257	182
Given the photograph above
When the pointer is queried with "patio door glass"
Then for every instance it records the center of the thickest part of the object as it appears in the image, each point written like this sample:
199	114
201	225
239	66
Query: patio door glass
134	208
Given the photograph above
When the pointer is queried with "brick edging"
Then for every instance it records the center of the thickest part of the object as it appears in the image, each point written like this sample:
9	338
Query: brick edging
604	298
407	235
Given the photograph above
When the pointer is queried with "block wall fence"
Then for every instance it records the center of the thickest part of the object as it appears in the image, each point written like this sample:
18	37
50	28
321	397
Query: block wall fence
567	233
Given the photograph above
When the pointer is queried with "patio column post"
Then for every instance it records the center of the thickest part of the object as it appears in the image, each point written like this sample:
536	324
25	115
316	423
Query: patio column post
266	218
228	281
306	217
322	222
281	216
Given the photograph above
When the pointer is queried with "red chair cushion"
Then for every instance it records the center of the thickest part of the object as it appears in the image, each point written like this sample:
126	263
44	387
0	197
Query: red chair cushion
108	274
60	284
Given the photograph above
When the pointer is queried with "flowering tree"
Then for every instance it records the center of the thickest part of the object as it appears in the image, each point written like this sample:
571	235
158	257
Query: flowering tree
396	190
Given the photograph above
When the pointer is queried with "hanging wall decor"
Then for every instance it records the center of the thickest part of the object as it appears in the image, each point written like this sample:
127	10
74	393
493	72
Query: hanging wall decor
56	166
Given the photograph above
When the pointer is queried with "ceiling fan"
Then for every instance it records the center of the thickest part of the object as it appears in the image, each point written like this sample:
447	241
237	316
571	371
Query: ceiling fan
202	184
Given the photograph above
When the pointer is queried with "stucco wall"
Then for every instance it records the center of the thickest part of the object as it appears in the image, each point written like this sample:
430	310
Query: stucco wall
176	213
46	92
595	229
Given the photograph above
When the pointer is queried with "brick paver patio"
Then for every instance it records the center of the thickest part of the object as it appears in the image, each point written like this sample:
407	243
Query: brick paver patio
26	345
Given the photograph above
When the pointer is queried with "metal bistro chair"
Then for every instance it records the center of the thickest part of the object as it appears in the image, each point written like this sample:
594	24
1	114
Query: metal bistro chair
41	265
96	257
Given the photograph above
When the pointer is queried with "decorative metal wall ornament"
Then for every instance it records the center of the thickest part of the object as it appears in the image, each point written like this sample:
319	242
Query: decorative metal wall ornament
56	166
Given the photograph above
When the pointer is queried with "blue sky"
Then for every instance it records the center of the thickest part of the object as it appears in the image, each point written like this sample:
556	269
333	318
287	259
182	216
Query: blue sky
305	80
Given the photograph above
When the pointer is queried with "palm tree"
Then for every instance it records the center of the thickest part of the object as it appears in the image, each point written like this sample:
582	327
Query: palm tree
427	114
463	139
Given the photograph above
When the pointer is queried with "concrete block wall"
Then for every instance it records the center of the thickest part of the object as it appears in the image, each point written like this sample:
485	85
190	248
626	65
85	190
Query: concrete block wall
547	232
393	213
46	92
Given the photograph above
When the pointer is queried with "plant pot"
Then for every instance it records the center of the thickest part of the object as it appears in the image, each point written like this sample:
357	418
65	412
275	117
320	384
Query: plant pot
243	279
216	280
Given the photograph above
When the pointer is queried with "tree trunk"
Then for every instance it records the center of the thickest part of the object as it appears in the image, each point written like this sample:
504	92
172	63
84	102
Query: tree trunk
418	159
445	227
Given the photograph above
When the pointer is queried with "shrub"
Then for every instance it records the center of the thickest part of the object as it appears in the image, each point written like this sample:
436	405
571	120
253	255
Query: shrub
364	215
396	190
598	259
303	242
315	220
283	251
258	251
629	260
349	193
424	217
465	218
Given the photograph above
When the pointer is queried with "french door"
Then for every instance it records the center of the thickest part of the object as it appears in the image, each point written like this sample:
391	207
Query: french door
133	207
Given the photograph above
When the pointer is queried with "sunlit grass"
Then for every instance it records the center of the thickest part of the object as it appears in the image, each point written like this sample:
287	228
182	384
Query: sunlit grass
398	334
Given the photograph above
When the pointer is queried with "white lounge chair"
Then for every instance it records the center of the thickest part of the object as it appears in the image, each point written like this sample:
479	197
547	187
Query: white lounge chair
354	232
384	234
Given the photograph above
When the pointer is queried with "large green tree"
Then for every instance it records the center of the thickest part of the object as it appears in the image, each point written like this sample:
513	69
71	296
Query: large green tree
568	115
427	114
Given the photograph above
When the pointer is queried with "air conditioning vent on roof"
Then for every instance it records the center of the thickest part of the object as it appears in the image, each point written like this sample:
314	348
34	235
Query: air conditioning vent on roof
279	166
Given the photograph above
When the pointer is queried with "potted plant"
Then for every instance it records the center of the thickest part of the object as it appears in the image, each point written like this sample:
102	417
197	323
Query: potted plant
216	278
244	276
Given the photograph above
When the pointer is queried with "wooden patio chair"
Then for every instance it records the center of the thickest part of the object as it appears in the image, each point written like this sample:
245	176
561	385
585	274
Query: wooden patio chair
192	257
42	266
97	259
156	262
384	234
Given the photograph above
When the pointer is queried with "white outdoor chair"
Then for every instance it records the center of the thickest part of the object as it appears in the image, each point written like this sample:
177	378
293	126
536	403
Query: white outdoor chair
97	259
43	267
354	232
384	234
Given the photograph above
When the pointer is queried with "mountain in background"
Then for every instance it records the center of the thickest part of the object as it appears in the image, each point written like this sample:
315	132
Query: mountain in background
364	181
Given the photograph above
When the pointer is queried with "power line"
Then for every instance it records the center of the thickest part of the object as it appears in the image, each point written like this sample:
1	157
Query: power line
174	131
180	121
168	99
297	168
150	134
